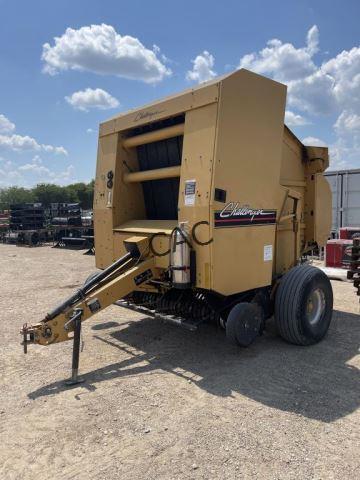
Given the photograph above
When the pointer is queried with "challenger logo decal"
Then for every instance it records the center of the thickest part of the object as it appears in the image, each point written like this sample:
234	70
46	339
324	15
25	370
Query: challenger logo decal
148	115
235	215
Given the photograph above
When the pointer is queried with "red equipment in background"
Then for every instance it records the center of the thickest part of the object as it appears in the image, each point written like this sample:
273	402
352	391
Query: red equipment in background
4	221
338	253
348	233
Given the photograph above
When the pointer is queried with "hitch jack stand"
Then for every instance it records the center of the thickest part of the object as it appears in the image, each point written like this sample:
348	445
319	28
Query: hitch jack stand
76	320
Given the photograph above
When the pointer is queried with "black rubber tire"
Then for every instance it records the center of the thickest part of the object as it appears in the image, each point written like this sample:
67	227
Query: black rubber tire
291	300
243	324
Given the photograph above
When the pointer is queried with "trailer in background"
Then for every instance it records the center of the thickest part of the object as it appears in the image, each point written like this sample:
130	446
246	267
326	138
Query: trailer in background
338	253
345	187
4	224
71	228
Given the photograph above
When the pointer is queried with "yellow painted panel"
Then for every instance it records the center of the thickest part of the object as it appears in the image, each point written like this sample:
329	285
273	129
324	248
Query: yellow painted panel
197	165
247	166
234	140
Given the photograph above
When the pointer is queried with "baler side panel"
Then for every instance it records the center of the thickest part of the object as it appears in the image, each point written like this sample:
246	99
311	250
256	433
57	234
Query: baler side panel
103	219
248	160
117	204
317	214
197	164
292	176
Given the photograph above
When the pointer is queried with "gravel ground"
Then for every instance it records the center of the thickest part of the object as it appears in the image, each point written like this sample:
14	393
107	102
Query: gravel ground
159	402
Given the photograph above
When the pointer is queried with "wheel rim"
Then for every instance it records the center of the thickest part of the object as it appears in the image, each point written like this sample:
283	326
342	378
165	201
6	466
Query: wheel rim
315	306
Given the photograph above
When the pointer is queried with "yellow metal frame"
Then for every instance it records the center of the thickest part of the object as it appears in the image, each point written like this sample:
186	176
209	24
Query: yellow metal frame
234	139
52	331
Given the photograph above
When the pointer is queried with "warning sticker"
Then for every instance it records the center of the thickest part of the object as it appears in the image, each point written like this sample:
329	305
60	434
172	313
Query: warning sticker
190	189
268	253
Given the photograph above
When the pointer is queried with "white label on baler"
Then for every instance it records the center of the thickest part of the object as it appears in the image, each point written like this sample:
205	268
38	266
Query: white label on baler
268	253
109	199
190	189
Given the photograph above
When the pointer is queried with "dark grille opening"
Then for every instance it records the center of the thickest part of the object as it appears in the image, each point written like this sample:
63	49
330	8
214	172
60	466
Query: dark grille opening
161	196
150	127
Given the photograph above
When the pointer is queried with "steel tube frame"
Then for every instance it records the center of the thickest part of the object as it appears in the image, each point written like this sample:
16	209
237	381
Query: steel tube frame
155	136
156	174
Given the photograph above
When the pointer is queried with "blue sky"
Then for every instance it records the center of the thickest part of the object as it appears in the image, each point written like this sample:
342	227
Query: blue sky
110	56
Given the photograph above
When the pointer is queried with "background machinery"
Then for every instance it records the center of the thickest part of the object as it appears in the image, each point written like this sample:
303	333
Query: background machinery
205	207
27	224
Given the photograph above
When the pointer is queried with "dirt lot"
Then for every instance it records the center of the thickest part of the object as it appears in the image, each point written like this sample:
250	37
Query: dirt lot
163	403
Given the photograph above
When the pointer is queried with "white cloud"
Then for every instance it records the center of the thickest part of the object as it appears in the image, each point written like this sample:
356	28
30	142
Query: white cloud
313	94
202	68
37	160
331	88
312	40
34	172
295	120
319	89
52	149
11	177
100	49
348	123
66	174
90	130
283	60
344	69
346	149
313	142
5	125
38	169
344	153
92	98
35	166
334	86
19	143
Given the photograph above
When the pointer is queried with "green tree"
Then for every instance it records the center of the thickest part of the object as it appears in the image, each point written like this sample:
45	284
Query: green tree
15	195
47	193
84	193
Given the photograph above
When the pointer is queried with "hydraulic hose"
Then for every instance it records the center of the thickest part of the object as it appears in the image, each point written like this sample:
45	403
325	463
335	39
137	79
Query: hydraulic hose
81	292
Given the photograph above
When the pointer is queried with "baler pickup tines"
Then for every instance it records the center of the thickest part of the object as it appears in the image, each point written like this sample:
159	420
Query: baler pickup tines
188	324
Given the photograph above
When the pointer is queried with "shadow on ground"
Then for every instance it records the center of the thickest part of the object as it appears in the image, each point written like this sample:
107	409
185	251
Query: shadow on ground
316	382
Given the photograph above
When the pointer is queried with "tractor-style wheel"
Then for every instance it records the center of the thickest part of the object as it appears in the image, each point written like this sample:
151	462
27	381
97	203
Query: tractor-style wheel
243	323
303	305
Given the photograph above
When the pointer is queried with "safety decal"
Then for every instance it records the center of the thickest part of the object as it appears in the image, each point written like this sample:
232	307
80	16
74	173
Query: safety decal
236	215
190	189
94	305
268	253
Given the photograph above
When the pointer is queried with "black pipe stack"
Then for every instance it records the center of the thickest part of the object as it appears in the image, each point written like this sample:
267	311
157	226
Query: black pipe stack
27	216
66	214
